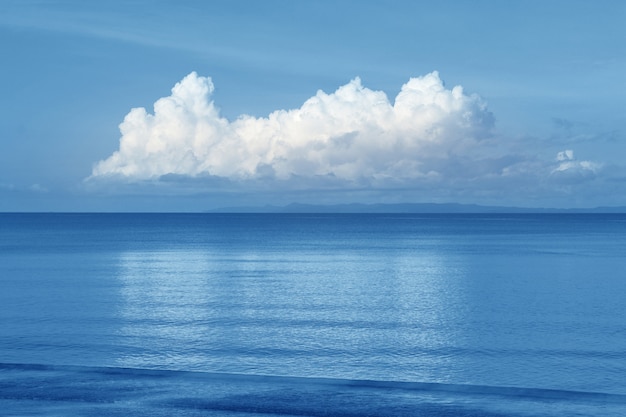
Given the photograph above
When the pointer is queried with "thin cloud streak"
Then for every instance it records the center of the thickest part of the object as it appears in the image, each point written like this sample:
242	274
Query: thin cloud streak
157	30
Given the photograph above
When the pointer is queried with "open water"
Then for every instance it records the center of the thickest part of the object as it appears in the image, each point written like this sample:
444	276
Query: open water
312	314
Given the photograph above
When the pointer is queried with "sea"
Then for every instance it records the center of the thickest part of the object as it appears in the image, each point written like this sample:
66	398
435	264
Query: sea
312	314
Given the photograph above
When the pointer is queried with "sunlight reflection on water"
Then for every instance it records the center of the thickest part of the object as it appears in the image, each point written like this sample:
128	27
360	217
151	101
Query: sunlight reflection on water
289	313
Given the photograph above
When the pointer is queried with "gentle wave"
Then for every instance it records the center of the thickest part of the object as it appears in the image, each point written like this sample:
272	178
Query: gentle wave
59	390
482	390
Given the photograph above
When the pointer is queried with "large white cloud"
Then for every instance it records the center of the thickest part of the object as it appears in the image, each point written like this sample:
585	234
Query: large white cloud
353	134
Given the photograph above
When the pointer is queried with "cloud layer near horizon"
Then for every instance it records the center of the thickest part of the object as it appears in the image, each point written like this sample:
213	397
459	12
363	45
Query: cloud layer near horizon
353	134
429	138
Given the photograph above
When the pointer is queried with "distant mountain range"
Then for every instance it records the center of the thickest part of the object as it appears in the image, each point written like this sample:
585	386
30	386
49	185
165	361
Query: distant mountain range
407	208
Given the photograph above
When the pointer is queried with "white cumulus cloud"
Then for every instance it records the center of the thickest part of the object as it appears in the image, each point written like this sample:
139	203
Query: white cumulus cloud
352	134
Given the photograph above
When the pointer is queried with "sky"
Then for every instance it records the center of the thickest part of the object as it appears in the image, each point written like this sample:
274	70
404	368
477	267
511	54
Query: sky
193	105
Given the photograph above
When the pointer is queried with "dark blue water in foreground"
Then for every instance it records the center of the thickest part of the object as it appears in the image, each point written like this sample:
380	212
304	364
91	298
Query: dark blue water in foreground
292	314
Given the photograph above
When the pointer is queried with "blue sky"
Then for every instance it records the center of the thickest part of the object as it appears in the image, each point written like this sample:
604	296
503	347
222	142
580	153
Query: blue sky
314	102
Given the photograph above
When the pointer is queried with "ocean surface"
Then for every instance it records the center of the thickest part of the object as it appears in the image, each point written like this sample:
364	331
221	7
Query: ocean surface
313	314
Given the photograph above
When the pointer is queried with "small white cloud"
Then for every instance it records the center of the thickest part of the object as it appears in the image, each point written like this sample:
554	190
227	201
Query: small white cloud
567	155
570	167
353	134
38	188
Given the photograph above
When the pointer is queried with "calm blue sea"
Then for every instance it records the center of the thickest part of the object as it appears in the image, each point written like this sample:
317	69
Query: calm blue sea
313	314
